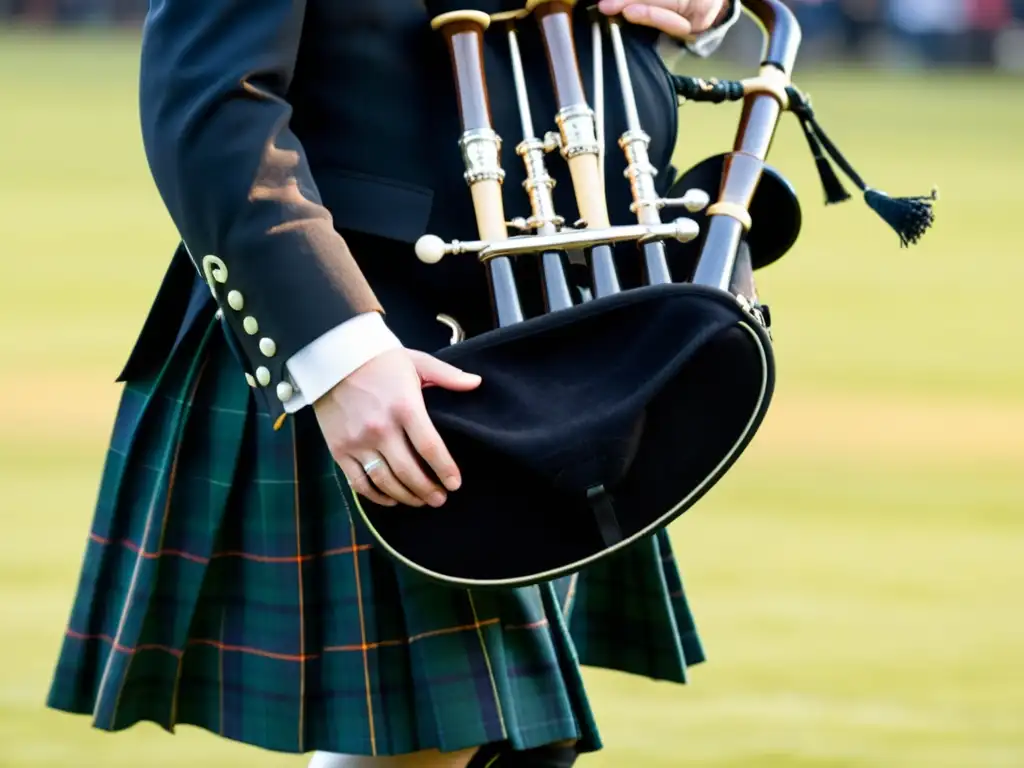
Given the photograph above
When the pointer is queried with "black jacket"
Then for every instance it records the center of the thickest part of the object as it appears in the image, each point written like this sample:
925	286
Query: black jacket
276	128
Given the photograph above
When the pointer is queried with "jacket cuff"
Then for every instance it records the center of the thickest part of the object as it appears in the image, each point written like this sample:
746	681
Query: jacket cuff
316	368
264	334
707	42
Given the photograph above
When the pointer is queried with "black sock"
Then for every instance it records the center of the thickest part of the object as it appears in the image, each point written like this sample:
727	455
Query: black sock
501	755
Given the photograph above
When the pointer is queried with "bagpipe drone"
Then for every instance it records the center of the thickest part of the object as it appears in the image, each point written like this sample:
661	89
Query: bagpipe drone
615	410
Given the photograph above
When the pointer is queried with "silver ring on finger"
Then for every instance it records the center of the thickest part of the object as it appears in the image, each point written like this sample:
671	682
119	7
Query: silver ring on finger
375	463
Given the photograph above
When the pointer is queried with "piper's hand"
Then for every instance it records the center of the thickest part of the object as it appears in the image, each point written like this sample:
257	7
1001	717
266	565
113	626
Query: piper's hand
676	18
376	418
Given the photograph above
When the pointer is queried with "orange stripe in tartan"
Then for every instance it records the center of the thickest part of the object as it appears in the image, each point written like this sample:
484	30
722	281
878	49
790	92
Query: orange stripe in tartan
131	545
371	725
123	648
360	647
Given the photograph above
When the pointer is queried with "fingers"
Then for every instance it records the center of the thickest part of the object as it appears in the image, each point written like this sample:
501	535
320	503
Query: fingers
669	22
361	483
406	467
401	476
385	485
704	15
381	422
677	18
434	372
429	445
385	475
611	7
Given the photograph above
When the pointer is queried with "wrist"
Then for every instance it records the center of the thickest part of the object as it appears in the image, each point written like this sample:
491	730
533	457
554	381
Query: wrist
321	366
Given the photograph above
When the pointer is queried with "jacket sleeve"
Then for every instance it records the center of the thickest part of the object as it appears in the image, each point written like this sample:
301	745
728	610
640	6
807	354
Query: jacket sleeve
215	125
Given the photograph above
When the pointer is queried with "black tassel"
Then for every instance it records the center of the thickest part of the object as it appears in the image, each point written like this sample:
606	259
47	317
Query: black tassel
910	217
835	192
800	106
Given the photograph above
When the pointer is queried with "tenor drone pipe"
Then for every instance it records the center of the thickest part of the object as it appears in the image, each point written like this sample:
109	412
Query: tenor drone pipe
578	129
639	169
481	150
538	183
729	217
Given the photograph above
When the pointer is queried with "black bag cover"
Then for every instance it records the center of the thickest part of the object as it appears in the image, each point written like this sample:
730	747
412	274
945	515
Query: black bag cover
593	427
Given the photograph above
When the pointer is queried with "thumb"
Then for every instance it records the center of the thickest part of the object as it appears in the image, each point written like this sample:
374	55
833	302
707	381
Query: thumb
434	372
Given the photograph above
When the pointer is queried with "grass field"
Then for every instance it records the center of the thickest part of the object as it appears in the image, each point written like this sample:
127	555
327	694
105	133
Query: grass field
857	578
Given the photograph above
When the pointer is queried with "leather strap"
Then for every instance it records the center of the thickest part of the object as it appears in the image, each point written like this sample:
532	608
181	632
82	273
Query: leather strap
603	506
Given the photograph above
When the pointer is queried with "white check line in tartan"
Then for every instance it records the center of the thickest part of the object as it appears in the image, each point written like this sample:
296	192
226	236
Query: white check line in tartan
226	585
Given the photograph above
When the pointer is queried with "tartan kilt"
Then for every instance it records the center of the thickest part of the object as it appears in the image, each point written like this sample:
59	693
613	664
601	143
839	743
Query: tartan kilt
226	584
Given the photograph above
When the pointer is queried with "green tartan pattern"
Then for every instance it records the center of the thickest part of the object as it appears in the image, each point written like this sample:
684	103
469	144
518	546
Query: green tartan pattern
226	585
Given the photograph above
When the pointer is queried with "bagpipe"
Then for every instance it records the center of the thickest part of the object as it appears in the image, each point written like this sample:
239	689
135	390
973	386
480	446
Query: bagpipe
607	416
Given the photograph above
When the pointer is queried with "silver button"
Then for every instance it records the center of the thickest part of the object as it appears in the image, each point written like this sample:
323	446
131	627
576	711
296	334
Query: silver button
235	300
284	391
268	347
263	376
250	379
250	325
219	314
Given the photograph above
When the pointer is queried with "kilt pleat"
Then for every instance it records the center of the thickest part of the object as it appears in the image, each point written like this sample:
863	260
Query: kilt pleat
226	585
640	587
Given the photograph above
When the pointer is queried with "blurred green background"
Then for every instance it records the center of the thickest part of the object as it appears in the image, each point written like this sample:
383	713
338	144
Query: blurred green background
856	577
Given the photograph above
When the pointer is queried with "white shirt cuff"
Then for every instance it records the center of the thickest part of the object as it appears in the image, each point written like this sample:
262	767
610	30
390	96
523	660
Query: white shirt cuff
706	43
316	368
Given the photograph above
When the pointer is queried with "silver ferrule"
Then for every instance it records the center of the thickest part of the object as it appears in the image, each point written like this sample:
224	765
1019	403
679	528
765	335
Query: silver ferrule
641	174
538	183
578	130
481	154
